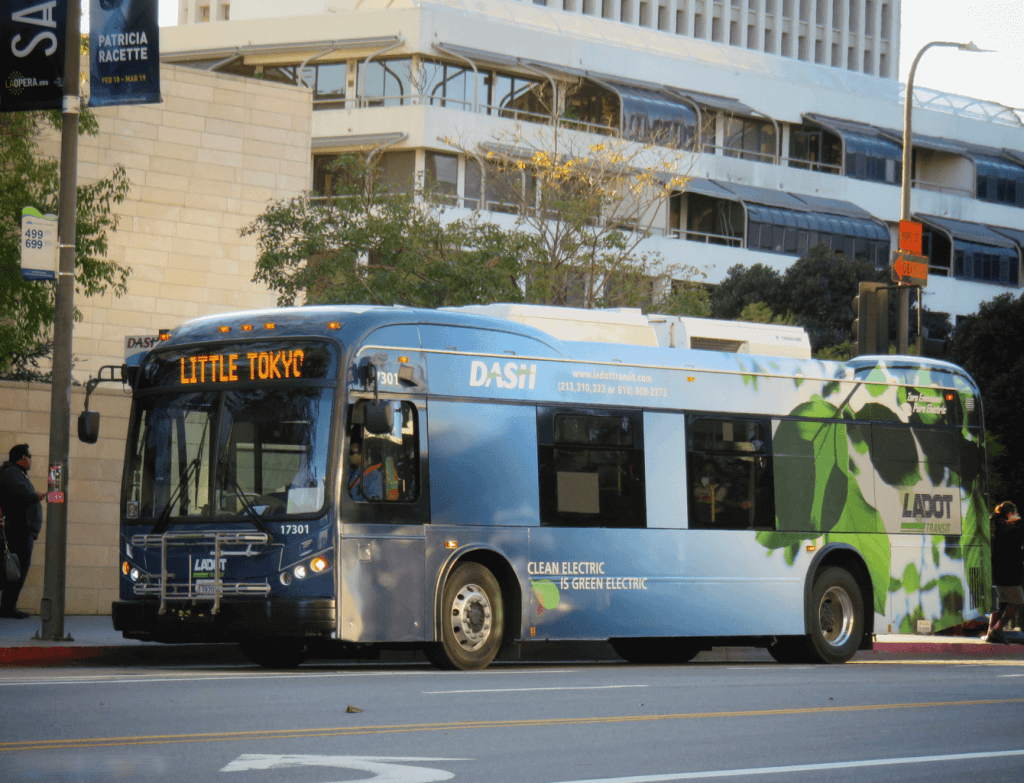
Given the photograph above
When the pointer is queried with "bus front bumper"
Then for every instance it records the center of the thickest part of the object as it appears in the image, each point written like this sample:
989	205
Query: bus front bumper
236	620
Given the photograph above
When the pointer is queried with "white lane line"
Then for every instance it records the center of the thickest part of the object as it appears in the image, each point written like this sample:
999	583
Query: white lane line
558	688
1010	675
728	773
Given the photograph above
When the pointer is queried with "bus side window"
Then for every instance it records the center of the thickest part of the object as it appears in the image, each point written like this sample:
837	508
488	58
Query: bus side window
590	468
731	477
384	468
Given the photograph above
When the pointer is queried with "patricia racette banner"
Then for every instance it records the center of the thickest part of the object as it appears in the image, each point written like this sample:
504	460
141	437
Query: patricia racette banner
32	54
124	52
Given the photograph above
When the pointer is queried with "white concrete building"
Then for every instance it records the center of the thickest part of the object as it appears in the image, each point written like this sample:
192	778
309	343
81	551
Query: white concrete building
801	111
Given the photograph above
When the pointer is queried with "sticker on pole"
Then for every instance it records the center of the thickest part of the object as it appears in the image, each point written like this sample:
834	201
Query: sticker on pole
908	269
38	245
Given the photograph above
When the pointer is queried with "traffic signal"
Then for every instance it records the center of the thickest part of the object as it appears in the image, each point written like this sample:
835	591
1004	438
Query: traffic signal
932	347
871	324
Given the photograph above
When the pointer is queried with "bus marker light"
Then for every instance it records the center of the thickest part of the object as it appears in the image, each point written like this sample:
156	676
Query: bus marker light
333	325
450	544
949	398
300	571
318	564
165	334
246	327
690	378
223	329
125	568
811	547
269	326
403	359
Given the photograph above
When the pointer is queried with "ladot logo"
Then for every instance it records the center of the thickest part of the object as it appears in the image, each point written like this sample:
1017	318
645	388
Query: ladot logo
511	376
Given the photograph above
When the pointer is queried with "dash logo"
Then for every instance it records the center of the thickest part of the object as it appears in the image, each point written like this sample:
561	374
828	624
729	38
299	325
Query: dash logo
511	376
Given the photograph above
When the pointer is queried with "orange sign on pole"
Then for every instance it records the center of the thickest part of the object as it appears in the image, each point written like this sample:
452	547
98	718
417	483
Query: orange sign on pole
909	269
910	237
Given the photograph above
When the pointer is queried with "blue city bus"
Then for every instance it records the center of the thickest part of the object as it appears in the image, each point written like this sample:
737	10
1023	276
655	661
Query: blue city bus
358	478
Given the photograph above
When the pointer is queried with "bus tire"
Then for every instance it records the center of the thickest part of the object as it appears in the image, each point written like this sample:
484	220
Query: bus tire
472	620
836	617
277	653
655	650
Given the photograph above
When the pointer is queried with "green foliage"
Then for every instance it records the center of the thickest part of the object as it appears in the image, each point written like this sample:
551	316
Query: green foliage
761	313
816	292
29	180
987	345
365	244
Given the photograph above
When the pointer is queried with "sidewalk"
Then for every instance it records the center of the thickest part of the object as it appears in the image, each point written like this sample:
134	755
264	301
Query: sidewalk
93	641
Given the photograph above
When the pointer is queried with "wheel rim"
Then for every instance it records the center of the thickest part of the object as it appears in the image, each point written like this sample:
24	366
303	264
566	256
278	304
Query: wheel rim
471	617
835	617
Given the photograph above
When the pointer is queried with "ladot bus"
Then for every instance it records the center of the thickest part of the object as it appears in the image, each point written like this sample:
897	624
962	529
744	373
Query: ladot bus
459	480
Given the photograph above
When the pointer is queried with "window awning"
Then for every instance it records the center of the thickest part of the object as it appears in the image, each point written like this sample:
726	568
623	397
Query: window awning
967	232
649	111
1016	234
860	137
717	102
481	56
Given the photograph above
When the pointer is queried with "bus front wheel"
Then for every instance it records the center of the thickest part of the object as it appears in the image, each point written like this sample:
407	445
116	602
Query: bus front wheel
472	620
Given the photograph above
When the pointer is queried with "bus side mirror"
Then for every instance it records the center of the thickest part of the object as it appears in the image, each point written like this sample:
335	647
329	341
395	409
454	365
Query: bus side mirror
88	426
379	417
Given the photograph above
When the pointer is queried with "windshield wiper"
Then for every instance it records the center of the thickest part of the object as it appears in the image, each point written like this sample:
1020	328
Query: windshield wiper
250	509
164	519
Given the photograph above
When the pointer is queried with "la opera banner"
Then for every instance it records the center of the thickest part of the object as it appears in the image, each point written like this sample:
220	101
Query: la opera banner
124	52
32	54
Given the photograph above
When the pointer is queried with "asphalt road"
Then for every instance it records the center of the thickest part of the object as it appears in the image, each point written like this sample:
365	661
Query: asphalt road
870	721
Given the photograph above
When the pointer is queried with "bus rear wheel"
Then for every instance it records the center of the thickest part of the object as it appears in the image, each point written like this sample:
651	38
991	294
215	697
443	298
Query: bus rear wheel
279	653
655	650
835	620
472	620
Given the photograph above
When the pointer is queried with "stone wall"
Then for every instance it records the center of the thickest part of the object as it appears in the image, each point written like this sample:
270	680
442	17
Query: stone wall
93	489
202	164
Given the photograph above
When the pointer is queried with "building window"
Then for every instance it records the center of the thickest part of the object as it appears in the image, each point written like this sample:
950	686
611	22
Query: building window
731	481
698	26
441	175
328	82
397	171
716	29
386	82
999	181
645	15
591	468
663	18
748	139
204	13
886	21
448	86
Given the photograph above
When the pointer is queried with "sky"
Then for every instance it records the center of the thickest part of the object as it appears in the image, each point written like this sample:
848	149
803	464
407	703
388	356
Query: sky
991	24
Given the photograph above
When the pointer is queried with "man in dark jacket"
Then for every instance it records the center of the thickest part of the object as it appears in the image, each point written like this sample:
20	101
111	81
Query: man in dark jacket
23	515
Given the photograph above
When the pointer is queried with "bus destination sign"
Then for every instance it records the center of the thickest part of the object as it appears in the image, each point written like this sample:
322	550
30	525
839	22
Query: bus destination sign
248	366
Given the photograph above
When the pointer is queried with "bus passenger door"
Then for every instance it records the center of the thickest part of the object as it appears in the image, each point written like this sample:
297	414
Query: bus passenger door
384	507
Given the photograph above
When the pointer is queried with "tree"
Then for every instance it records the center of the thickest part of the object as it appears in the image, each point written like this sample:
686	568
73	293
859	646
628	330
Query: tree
591	201
987	345
28	179
362	244
817	290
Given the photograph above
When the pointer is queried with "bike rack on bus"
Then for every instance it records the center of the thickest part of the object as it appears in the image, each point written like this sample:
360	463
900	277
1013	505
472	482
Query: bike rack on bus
252	541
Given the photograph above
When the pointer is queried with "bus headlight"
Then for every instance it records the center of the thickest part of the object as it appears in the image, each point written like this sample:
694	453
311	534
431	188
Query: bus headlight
134	574
300	572
318	564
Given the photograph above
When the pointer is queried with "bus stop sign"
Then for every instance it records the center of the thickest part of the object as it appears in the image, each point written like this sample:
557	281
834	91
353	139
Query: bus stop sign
908	269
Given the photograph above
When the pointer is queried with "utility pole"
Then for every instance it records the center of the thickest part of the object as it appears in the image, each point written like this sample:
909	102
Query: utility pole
52	607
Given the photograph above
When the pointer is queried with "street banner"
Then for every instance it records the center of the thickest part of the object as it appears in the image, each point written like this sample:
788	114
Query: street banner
32	54
38	245
124	52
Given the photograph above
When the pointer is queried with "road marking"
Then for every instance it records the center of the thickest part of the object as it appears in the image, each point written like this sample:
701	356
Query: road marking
729	773
386	769
345	731
1010	675
557	688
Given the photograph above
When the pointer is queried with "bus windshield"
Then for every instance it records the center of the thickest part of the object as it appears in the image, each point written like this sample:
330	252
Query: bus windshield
228	454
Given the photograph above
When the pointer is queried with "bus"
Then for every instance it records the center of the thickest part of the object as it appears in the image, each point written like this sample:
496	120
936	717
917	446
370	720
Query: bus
459	481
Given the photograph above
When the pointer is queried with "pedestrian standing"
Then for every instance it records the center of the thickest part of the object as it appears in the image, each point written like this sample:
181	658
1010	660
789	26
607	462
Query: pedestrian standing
1007	564
23	515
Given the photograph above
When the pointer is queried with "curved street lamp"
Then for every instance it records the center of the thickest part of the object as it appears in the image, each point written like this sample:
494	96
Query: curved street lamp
904	318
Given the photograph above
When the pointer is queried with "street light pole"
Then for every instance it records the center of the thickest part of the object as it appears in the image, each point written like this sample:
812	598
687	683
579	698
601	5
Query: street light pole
51	608
904	290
